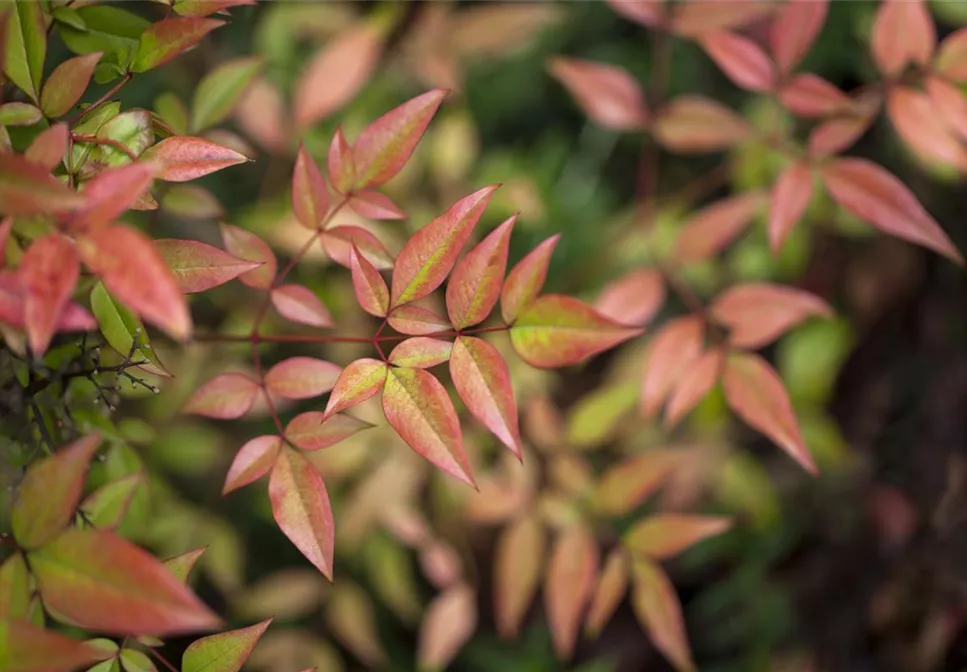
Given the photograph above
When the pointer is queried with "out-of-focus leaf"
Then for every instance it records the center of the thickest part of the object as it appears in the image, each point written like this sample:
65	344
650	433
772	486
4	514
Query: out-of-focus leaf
903	32
111	193
525	280
338	241
164	40
180	565
664	536
313	431
351	618
198	266
649	13
191	202
838	134
25	47
790	198
252	461
706	232
671	350
133	660
808	95
950	102
694	124
224	652
220	90
913	115
14	588
474	285
417	321
571	574
301	305
696	381
246	245
697	17
287	594
27	648
226	396
657	607
758	313
611	588
608	94
795	29
421	352
67	83
49	271
301	377
633	299
595	418
370	287
310	198
448	623
518	560
194	8
19	114
359	381
107	506
49	147
27	189
184	158
629	483
741	59
950	59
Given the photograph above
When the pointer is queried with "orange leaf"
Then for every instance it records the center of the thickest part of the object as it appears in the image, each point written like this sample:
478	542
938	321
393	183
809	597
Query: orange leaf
755	392
949	101
914	118
421	352
838	134
338	241
758	313
611	588
790	197
706	232
657	607
112	192
183	158
525	280
628	484
312	430
795	29
518	559
359	381
696	381
448	623
301	305
808	95
371	290
607	94
569	582
416	321
903	32
67	83
252	461
246	245
673	347
226	396
633	299
664	536
301	377
310	199
742	60
49	271
474	285
49	146
340	163
693	124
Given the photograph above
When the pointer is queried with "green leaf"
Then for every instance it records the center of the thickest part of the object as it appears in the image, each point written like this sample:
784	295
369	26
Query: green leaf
14	588
172	111
133	660
69	17
120	327
19	114
220	90
67	84
166	39
224	652
181	565
108	29
106	507
26	46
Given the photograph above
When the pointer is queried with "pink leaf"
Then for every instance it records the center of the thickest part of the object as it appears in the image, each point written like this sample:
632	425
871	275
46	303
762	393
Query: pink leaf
950	102
384	147
482	381
300	506
606	93
428	257
692	124
838	134
301	377
246	245
27	189
49	271
755	392
809	96
790	197
658	610
526	279
664	536
697	380
474	286
300	304
67	83
421	352
649	13
199	267
261	115
313	430
625	486
416	321
757	313
951	60
374	205
164	40
914	118
340	163
611	588
569	583
252	462
112	192
371	290
903	32
207	7
697	17
448	624
28	648
795	29
633	299
742	60
310	199
49	147
670	352
183	158
518	560
226	397
359	381
338	241
418	407
706	232
876	196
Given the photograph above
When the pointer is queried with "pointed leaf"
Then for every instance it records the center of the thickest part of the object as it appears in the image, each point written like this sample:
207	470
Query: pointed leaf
838	134
758	313
206	7
418	407
359	381
607	94
102	582
310	198
664	536
374	205
518	561
338	241
706	232
794	31
301	305
633	299
340	163
808	95
692	124
755	392
448	624
556	330
301	377
181	565
26	648
697	380
741	59
950	102
122	329
199	267
950	60
790	197
649	13
220	90
903	32
914	118
15	593
49	271
183	158
164	40
300	506
112	192
569	582
697	17
19	114
371	290
474	286
428	257
49	493
27	189
49	147
67	83
224	652
191	202
421	352
252	461
226	396
628	484
246	245
611	588
312	430
671	350
526	279
25	47
657	607
107	506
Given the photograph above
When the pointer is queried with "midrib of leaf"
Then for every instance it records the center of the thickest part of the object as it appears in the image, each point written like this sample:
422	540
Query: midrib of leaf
423	271
231	648
423	417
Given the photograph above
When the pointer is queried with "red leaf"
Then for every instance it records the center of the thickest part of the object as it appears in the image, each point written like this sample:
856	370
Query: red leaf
914	118
335	74
795	29
556	330
340	163
757	313
67	83
72	318
903	32
606	93
664	536
112	192
338	241
300	304
660	613
838	135
49	271
673	347
134	272
876	196
448	623
183	158
518	560
418	407
790	197
49	492
633	299
313	430
226	396
416	321
951	60
696	381
301	377
809	96
421	352
359	381
310	198
706	232
26	648
611	588
246	245
384	147
27	189
101	582
692	124
300	506
164	40
49	147
371	290
755	392
629	483
569	582
696	17
482	381
949	101
474	286
428	257
374	205
198	267
252	462
742	60
525	280
649	13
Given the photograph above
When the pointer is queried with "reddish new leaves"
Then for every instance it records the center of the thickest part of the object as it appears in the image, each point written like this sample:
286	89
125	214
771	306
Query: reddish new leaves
525	280
741	59
606	93
568	586
252	462
757	314
48	273
310	199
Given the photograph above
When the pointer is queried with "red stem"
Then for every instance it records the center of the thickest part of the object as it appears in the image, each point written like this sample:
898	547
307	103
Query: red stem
103	99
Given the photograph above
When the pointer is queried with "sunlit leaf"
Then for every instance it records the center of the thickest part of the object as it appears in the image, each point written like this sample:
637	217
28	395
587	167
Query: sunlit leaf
164	40
183	158
49	271
300	304
224	652
694	124
672	348
340	163
610	590
657	607
226	396
19	114
112	192
301	377
359	381
252	461
448	623
518	560
198	267
370	287
696	381
664	536
246	245
312	430
421	352
107	506
525	280
417	321
181	565
608	94
14	588
374	205
338	241
475	283
758	313
569	582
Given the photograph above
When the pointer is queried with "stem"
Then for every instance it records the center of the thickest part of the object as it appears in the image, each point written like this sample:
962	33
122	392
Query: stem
106	141
161	659
103	99
321	340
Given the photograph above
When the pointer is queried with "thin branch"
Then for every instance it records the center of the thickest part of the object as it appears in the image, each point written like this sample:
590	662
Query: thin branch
103	99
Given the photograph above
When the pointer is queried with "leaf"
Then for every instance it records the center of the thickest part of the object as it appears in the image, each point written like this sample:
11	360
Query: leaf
633	299
111	193
246	245
696	381
49	493
696	17
335	74
134	272
49	271
312	430
224	652
26	648
206	7
914	118
183	158
340	163
101	582
301	377
310	199
741	59
252	461
107	506
950	59
67	83
25	47
164	40
556	330
107	29
384	147
300	506
526	279
181	565
838	134
808	95
299	304
359	381
421	352
758	313
790	197
611	588
418	407
569	582
628	484
428	257
374	205
606	93
351	618
121	328
794	31
416	321
482	381
474	285
755	392
19	114
221	89
876	196
226	396
518	560
448	623
199	267
15	593
950	102
371	290
693	124
338	242
648	13
660	613
27	189
671	350
663	536
903	32
191	202
49	146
